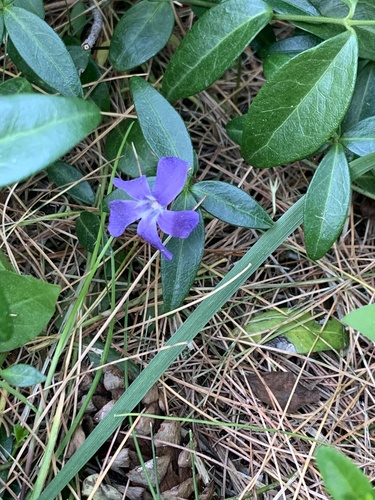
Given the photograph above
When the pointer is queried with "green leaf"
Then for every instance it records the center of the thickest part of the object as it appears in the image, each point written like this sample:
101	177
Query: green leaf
63	174
365	10
20	433
179	273
351	3
22	375
88	231
5	265
231	205
161	125
31	304
6	324
363	320
16	85
294	7
367	183
273	63
342	478
326	203
128	163
294	45
306	334
34	6
212	45
299	109
360	138
42	50
80	57
363	102
235	128
141	33
78	19
36	130
96	90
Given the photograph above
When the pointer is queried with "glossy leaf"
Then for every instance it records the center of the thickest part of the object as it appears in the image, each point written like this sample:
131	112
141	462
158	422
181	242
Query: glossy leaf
212	45
96	90
36	130
141	33
360	138
342	478
34	6
80	57
179	273
294	45
31	304
235	128
351	3
88	231
231	205
367	183
43	50
63	174
303	332
299	109
5	265
363	320
294	7
78	18
336	8
273	63
128	161
22	375
161	125
326	203
363	102
15	86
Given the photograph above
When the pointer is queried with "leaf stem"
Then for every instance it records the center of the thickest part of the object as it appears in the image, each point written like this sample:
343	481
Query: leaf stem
342	21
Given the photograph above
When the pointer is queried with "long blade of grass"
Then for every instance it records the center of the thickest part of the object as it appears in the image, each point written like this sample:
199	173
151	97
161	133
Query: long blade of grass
242	270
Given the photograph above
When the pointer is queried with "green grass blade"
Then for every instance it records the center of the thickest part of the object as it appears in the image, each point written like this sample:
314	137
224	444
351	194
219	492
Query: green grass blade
266	244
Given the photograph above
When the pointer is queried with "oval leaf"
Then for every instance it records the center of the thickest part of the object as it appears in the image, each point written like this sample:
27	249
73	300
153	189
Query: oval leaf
342	478
42	50
22	375
34	6
161	125
295	7
128	161
179	273
363	320
300	108
16	86
235	128
363	102
141	33
63	174
211	46
36	130
360	138
88	231
304	333
326	203
231	205
31	304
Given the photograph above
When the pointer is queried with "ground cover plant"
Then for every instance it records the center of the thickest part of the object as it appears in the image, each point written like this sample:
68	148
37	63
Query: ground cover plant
186	261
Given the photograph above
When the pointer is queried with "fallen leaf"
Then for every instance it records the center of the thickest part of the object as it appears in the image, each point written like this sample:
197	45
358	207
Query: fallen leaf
281	385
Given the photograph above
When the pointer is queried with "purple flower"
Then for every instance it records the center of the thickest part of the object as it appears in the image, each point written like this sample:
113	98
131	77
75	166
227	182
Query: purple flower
150	206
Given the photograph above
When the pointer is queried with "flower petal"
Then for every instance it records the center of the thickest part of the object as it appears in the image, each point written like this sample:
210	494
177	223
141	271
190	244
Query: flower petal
170	179
178	224
138	188
121	214
147	230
